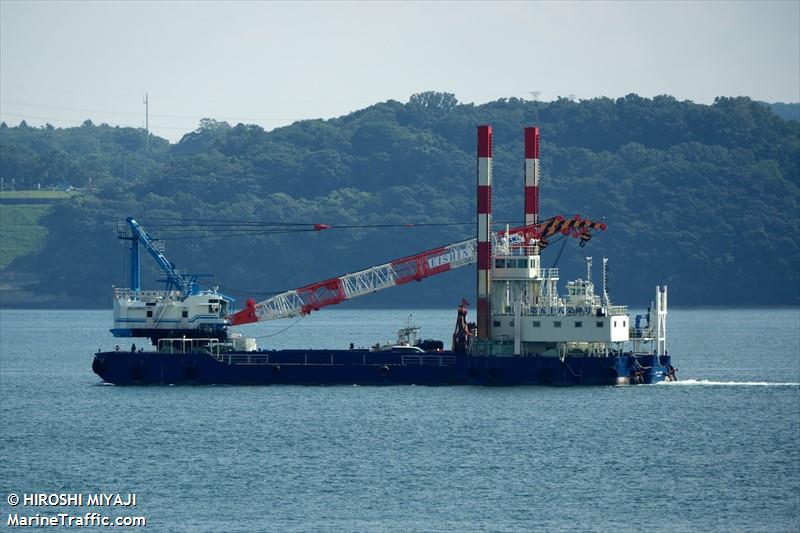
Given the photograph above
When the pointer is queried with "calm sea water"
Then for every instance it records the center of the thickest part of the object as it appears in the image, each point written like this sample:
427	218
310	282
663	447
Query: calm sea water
717	451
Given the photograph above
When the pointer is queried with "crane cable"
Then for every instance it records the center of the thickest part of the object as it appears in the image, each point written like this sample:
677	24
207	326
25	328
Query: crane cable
180	231
561	250
193	228
239	292
281	331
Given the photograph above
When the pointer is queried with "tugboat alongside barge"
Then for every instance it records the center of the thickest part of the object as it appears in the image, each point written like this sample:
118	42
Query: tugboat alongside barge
526	333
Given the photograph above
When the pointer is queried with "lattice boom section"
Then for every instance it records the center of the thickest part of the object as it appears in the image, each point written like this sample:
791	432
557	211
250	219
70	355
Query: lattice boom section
413	268
333	291
287	304
417	267
369	280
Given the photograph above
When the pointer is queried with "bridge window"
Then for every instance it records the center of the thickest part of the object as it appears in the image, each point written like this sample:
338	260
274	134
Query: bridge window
496	323
499	263
537	324
557	324
578	324
599	323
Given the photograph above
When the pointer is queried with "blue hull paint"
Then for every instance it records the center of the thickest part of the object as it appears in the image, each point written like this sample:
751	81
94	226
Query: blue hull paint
349	367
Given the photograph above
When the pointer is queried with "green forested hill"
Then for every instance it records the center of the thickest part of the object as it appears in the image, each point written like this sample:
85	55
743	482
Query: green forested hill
702	198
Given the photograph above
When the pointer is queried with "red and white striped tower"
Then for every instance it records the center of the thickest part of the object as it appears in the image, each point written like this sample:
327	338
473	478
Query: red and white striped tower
484	229
531	176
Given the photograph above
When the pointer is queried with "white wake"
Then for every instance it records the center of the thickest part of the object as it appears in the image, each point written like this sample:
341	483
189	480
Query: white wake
710	383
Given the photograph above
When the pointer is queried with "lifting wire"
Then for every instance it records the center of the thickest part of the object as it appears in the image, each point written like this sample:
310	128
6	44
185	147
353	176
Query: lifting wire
180	230
211	222
203	234
195	224
281	331
239	291
199	228
563	245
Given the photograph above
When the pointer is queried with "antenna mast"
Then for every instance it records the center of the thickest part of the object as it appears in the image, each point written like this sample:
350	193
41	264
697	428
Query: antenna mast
588	269
606	299
146	123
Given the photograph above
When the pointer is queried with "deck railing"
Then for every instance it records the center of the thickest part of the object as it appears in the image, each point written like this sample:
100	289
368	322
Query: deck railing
428	360
260	358
130	294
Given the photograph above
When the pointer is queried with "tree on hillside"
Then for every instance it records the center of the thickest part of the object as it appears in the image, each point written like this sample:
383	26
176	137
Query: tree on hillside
700	197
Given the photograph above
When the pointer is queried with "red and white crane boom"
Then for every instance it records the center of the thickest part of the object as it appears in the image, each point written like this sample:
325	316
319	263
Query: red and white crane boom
301	301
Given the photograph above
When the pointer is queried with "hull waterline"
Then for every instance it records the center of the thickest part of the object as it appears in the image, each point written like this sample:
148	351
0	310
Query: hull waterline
356	367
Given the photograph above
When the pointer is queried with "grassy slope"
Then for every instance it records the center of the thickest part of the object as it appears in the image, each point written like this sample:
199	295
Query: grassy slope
33	196
20	232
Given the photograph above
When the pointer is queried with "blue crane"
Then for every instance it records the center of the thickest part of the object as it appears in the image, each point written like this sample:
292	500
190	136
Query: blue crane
187	283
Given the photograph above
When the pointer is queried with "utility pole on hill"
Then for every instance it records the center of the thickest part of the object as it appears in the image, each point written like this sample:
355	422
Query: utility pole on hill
146	123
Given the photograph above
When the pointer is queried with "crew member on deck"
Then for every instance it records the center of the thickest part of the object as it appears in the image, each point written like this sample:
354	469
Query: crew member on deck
461	332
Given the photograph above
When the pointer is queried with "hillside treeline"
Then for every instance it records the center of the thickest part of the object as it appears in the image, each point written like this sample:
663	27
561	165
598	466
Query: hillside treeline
703	198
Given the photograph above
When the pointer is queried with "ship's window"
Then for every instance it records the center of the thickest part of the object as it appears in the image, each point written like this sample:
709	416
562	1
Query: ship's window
499	263
623	323
149	314
511	323
185	313
615	323
537	324
522	263
556	324
578	324
496	323
599	324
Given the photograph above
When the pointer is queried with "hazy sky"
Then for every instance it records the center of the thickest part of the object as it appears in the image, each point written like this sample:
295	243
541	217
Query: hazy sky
273	63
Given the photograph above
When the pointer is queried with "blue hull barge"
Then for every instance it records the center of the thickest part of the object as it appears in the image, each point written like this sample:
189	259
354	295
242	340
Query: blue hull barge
363	367
527	333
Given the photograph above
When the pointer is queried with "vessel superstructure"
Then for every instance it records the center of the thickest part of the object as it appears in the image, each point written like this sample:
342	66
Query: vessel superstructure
181	309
